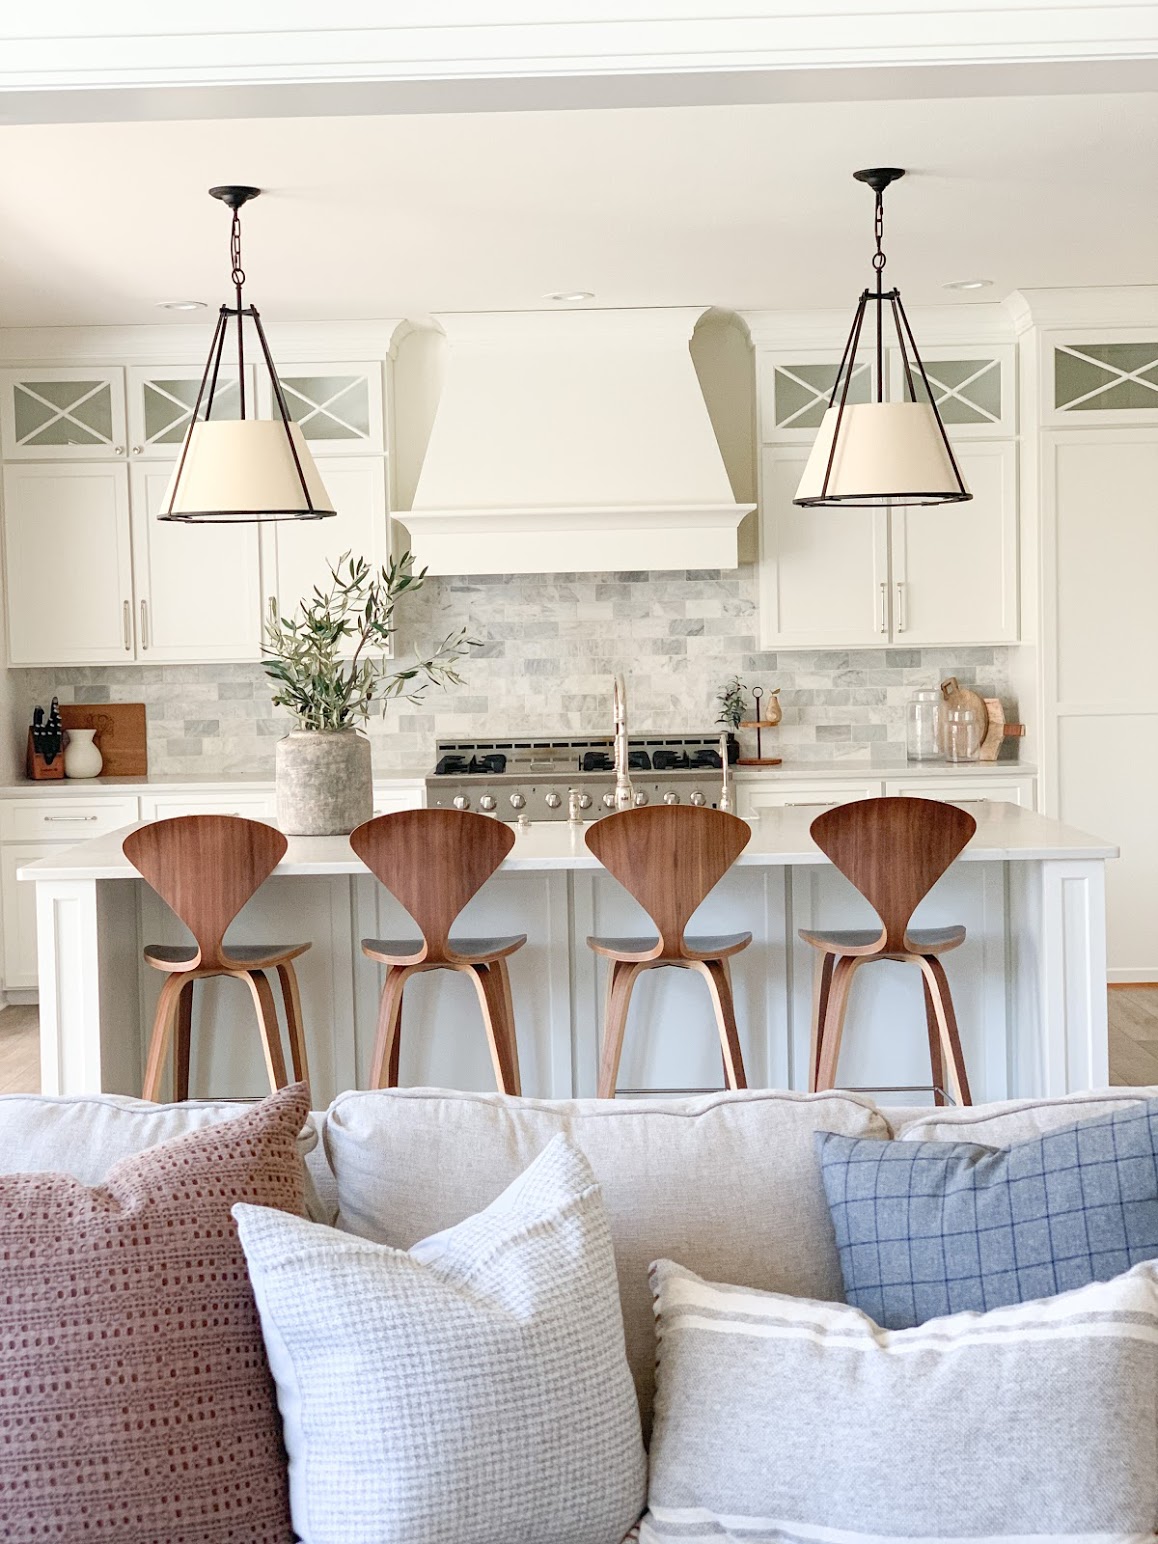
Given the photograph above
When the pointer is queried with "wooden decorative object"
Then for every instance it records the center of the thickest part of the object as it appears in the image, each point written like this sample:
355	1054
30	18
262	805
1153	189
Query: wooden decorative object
433	862
120	734
998	730
39	770
759	724
668	857
893	850
205	868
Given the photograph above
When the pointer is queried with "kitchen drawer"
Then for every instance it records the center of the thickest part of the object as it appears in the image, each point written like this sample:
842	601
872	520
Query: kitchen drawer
751	798
167	806
64	819
967	790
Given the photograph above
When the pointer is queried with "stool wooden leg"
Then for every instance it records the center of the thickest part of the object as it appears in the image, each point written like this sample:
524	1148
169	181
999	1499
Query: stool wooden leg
504	975
936	1054
715	973
387	1045
262	993
163	1022
292	999
832	1031
821	990
182	1045
621	979
491	998
938	986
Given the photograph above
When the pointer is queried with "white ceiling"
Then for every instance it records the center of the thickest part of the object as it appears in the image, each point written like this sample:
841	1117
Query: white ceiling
739	206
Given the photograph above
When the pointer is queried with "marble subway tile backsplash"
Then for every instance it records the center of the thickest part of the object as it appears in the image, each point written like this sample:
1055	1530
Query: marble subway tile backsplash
549	646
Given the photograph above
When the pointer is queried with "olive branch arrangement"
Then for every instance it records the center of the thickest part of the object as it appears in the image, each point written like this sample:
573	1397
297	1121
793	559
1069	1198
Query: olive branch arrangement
327	685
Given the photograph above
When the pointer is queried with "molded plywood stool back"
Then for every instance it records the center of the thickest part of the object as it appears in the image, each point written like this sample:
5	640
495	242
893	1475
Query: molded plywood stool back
433	862
668	857
205	868
894	851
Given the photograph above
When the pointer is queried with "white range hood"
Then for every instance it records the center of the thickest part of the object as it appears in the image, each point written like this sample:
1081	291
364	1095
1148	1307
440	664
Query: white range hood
572	441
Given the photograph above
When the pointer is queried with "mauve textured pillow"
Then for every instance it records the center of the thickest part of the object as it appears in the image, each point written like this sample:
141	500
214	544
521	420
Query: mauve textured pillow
136	1403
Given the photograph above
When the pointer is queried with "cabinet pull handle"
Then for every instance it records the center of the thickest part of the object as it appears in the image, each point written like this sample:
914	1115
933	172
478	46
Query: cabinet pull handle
128	626
144	624
884	606
273	608
71	819
808	804
902	621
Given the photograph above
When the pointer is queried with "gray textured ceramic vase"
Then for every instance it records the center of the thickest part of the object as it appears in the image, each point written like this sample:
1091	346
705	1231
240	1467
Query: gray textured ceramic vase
324	783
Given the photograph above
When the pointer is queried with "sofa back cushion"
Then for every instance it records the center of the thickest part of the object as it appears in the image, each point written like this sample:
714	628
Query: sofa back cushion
1014	1120
726	1184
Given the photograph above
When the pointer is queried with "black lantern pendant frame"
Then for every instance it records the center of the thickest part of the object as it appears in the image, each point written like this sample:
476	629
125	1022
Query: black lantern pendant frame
234	196
878	178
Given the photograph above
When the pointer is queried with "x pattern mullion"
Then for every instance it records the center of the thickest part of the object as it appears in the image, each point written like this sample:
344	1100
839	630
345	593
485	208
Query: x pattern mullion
63	414
818	394
184	409
325	409
946	392
1117	377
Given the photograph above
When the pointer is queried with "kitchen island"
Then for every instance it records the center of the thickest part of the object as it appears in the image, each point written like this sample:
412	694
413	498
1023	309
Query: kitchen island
1028	984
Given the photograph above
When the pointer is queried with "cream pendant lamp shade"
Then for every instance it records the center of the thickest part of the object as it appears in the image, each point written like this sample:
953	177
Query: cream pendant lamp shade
886	453
872	453
245	468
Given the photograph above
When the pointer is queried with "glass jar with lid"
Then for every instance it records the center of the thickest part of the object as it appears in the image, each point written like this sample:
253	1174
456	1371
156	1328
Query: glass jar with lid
923	726
964	732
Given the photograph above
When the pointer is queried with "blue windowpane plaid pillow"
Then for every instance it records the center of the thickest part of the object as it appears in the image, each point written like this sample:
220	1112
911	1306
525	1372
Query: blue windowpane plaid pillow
931	1228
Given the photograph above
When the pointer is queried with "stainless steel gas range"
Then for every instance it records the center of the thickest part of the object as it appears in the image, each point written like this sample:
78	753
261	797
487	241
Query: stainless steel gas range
532	779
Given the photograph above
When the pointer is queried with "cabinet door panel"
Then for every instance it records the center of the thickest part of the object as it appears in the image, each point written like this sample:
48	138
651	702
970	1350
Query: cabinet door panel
338	406
161	405
68	571
304	549
19	900
198	586
823	572
955	565
55	414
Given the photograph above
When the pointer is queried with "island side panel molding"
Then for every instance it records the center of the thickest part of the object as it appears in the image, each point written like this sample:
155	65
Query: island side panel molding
88	953
1072	976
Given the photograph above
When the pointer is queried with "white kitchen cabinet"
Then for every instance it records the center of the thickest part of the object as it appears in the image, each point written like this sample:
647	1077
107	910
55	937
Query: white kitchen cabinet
68	567
160	404
168	806
966	790
198	587
757	795
925	575
974	388
298	552
954	566
337	406
824	573
50	413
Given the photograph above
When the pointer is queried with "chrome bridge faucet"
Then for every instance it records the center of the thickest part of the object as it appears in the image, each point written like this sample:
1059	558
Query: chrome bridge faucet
624	792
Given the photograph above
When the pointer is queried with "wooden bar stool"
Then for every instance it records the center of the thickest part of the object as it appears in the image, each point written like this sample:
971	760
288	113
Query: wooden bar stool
668	857
433	862
894	851
205	868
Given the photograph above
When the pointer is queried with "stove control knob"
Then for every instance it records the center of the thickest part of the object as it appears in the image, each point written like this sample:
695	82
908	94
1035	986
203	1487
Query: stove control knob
553	801
671	797
518	801
640	799
697	799
608	801
584	801
487	802
462	801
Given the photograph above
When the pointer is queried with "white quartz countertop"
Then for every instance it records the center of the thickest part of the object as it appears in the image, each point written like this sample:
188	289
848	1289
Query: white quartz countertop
1005	833
84	787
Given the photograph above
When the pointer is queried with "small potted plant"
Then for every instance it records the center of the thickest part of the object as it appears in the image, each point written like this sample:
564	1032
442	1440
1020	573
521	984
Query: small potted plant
330	667
732	702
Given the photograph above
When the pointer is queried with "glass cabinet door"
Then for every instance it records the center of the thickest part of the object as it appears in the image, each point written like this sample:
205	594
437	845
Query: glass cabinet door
1107	379
57	414
973	389
339	406
161	405
794	392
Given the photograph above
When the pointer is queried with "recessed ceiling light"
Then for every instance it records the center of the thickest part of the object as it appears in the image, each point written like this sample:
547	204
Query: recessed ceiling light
570	297
968	284
182	305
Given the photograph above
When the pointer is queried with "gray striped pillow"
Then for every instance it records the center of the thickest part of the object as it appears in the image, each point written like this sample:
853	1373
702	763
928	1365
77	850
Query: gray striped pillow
779	1420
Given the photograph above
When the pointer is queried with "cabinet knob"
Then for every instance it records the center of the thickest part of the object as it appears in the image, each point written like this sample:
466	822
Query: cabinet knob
118	450
138	450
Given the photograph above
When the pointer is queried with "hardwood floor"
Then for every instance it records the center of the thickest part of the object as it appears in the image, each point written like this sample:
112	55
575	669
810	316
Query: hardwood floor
1133	1042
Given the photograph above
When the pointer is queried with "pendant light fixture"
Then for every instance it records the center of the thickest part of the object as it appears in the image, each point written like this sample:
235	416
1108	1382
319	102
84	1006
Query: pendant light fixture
234	469
869	454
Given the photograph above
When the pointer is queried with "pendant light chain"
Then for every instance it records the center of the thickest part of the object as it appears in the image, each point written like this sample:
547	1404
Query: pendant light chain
879	261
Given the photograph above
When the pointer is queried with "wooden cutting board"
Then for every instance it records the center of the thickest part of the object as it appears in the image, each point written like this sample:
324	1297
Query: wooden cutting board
120	734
